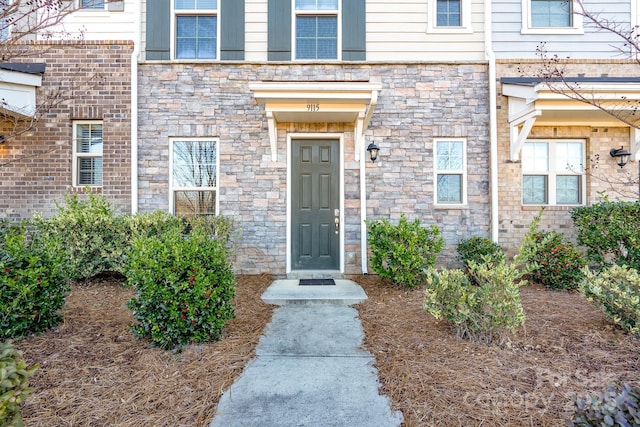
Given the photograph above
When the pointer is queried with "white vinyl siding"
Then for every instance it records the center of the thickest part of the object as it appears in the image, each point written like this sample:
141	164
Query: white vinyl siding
396	31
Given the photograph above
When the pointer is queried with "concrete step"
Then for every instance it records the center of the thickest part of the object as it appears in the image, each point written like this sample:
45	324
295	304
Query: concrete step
289	291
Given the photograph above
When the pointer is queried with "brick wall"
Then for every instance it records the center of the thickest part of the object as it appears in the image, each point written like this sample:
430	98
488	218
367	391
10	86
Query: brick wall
603	173
418	102
92	80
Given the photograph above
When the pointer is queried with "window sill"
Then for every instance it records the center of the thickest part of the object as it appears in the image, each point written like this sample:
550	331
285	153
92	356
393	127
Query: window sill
449	30
553	30
549	207
458	206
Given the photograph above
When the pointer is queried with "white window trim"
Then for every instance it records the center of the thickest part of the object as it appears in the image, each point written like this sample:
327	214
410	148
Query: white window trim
80	9
465	19
552	173
462	172
76	155
334	12
172	188
197	12
527	28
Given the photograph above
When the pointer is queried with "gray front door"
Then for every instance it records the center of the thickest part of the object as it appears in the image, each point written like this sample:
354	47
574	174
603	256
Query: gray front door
315	204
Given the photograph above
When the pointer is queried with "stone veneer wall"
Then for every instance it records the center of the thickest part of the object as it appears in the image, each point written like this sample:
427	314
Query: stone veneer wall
94	83
417	103
514	218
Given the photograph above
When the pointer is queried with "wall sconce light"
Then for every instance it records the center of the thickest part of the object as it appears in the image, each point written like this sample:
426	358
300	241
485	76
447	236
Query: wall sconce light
621	155
2	139
373	150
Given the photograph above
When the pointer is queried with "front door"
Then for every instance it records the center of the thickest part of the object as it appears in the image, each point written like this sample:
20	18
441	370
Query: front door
315	205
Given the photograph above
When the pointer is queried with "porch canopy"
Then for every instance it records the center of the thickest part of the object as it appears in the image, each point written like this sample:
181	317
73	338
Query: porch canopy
317	102
18	84
574	101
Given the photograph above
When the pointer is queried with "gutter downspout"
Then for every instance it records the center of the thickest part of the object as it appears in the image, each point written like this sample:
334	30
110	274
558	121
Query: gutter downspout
363	208
493	120
137	40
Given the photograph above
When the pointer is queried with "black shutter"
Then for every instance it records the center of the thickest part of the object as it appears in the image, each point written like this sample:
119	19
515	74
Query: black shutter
232	29
279	34
158	29
354	43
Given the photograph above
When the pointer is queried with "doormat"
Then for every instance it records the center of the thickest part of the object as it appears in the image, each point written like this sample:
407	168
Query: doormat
316	282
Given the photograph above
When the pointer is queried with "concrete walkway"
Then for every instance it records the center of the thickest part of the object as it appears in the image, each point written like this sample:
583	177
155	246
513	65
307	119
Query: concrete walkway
309	369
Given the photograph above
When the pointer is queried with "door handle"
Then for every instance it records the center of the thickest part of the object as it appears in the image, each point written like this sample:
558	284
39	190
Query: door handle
337	222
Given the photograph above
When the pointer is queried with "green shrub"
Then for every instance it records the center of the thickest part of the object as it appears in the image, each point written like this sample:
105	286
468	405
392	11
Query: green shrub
480	250
14	384
150	224
33	282
609	231
559	263
483	312
616	291
95	239
617	406
184	287
403	253
219	227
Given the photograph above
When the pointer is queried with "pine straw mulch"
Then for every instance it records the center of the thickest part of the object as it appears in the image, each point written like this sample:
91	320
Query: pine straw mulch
94	373
568	347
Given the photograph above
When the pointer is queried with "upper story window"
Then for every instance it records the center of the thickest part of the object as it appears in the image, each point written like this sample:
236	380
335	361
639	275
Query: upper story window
450	16
550	17
451	171
195	29
194	182
553	173
92	4
87	153
316	29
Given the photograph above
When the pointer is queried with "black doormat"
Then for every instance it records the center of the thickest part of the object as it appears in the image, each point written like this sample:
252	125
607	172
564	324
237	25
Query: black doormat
316	282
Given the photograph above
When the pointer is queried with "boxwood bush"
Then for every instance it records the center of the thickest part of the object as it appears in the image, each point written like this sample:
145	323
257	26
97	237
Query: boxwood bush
480	250
616	291
184	287
33	282
404	252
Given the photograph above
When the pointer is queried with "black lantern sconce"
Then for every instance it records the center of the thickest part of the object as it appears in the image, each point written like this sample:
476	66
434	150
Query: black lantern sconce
373	150
621	155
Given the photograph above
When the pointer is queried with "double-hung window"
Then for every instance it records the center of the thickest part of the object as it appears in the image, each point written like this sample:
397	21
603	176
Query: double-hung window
87	153
92	4
450	16
195	29
194	182
316	29
553	172
550	17
451	171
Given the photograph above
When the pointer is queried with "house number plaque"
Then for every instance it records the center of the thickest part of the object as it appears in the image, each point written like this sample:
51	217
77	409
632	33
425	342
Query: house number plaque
313	108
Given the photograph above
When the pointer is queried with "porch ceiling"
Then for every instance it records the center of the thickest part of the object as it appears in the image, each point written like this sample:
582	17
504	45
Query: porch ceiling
317	102
532	102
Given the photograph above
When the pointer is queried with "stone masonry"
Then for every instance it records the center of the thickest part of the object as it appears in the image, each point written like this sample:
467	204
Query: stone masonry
417	103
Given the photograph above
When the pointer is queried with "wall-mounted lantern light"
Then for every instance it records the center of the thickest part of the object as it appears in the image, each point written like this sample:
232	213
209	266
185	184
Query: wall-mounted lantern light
621	155
2	139
373	151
